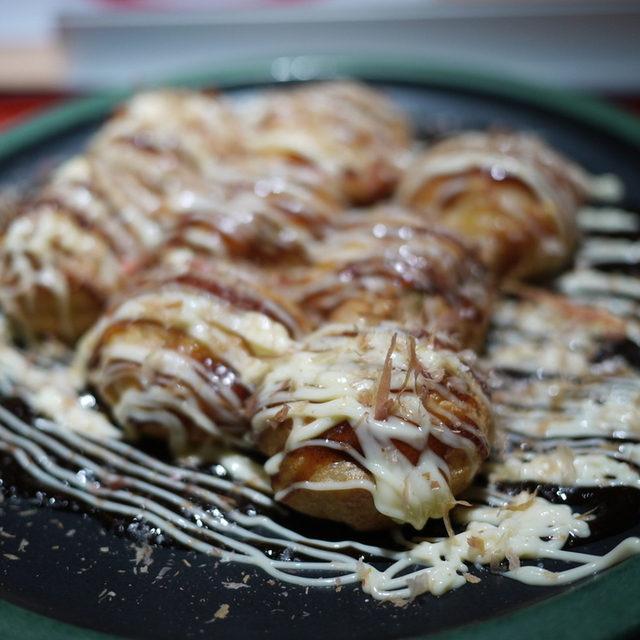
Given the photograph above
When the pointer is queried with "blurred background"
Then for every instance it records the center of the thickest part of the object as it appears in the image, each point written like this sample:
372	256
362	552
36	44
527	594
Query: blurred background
50	49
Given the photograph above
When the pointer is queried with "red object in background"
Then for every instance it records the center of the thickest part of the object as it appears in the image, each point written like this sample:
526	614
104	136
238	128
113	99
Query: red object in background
16	107
627	103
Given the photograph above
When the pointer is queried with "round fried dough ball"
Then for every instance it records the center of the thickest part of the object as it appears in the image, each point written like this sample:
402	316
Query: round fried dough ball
372	426
508	194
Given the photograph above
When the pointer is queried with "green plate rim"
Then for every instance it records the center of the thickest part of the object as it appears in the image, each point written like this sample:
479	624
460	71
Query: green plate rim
603	608
575	105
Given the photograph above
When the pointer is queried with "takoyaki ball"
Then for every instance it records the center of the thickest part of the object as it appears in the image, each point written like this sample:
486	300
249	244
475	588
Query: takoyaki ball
508	194
157	148
372	426
349	130
386	265
177	355
194	127
63	252
260	209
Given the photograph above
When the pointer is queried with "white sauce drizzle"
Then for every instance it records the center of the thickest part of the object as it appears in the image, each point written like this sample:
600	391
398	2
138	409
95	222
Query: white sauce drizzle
207	319
607	219
497	528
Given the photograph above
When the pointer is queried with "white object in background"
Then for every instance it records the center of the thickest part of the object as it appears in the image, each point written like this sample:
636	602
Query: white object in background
588	45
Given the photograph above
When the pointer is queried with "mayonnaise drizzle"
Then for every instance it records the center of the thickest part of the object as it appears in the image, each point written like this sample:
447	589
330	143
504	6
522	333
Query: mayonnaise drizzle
497	529
569	397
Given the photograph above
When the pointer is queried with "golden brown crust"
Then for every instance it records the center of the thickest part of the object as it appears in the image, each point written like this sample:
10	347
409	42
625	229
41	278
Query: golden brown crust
354	507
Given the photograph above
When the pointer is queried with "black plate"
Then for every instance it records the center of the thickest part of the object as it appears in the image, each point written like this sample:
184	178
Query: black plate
73	570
